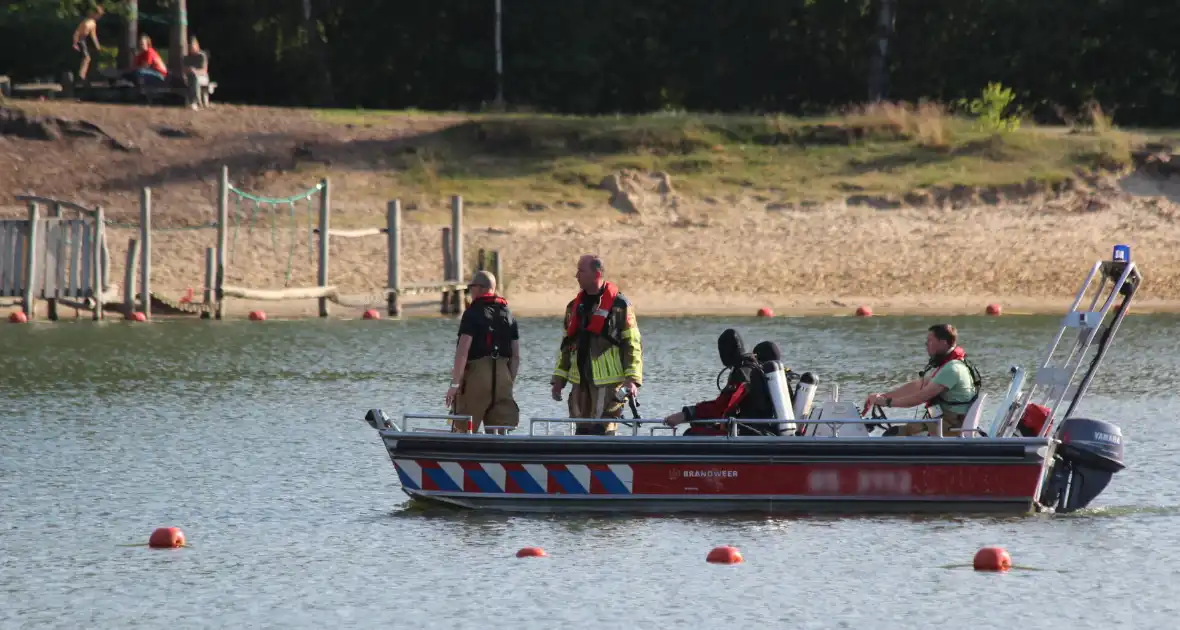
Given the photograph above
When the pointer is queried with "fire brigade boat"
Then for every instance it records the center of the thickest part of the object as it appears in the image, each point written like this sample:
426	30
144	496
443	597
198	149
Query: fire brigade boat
832	458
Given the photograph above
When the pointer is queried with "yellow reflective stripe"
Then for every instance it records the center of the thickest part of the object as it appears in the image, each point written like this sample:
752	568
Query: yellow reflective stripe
561	373
630	333
607	368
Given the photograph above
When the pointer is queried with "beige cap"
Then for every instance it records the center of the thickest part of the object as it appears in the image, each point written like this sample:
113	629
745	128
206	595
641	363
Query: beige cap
484	279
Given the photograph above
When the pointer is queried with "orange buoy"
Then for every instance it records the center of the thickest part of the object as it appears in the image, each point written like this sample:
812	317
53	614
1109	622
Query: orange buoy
136	317
372	314
531	552
166	538
18	317
765	312
992	559
257	316
864	311
724	555
993	309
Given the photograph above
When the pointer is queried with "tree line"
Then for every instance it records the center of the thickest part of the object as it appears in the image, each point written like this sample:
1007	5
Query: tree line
606	56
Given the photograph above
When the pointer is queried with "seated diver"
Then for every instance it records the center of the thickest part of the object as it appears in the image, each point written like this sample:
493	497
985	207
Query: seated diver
745	394
953	386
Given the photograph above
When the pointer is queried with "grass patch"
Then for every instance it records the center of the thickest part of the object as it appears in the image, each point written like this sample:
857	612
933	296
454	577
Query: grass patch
880	149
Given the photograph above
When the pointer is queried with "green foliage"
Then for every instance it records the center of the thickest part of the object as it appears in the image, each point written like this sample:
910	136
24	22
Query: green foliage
622	56
990	107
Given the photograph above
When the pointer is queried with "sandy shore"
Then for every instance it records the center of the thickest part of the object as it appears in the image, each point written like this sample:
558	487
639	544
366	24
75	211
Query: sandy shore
696	258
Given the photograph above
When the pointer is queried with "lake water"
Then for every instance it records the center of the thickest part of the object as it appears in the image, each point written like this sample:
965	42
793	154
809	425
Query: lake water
249	436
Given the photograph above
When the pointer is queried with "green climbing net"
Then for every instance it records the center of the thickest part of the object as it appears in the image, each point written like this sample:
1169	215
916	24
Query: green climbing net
281	215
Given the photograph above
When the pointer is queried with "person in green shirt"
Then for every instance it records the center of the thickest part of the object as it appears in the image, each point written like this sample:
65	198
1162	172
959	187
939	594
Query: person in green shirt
948	382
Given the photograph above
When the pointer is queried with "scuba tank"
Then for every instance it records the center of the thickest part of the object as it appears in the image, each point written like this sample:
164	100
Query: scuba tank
780	395
805	394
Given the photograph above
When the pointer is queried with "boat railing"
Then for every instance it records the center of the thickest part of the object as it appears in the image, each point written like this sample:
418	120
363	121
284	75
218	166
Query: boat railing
636	423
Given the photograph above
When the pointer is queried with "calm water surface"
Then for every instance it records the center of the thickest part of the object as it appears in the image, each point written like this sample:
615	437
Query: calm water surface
250	437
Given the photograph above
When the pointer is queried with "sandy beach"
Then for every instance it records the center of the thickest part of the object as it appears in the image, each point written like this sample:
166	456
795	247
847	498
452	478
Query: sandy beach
675	254
699	259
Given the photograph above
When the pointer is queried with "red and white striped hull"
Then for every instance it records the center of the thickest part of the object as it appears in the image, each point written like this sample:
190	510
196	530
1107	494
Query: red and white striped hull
681	474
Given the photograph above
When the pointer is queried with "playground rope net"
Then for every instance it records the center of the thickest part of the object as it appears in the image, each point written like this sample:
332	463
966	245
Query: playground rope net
290	221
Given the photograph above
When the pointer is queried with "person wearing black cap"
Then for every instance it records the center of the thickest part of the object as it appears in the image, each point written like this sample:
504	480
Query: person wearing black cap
745	394
487	359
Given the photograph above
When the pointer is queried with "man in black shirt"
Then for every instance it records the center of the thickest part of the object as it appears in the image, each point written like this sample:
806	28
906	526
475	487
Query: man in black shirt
487	357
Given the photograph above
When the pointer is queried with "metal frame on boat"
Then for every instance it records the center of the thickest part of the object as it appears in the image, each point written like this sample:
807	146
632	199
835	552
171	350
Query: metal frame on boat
1021	464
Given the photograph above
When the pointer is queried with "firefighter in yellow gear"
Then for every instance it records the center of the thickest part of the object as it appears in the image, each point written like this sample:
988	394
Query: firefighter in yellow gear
601	354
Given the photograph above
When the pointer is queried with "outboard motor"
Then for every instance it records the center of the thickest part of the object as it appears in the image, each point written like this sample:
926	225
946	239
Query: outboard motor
780	395
805	394
378	420
1090	453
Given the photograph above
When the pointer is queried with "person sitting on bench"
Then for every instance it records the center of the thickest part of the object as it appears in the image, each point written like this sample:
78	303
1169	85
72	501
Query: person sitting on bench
148	68
196	75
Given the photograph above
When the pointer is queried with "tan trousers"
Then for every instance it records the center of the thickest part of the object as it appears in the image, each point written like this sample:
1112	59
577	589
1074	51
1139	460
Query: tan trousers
587	400
487	402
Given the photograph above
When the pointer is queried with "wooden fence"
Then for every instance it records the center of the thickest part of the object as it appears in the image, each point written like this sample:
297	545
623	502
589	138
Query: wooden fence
61	260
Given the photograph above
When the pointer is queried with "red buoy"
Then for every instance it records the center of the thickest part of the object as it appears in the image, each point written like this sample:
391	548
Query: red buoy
18	317
531	552
257	316
765	312
372	314
136	317
864	311
166	538
992	559
993	309
724	555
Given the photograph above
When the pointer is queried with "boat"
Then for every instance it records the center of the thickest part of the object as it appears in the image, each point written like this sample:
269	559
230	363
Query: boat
837	460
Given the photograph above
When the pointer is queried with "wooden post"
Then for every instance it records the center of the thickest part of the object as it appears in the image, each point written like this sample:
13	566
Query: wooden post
456	248
222	240
323	272
145	260
31	261
130	35
178	38
51	299
393	225
210	278
129	277
100	228
498	271
445	307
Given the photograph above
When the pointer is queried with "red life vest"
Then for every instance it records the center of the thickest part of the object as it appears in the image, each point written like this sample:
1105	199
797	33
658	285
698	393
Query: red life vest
597	323
956	354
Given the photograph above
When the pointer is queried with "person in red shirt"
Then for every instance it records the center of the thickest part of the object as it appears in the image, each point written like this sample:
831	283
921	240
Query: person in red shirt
148	67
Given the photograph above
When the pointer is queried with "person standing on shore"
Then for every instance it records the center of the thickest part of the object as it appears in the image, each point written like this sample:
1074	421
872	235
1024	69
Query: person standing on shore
87	28
601	354
487	360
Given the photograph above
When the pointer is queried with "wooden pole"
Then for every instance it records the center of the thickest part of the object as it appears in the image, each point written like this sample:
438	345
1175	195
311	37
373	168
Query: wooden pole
498	271
323	271
31	261
145	259
210	278
222	240
456	248
178	40
130	35
100	230
393	225
445	306
499	60
51	298
129	277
